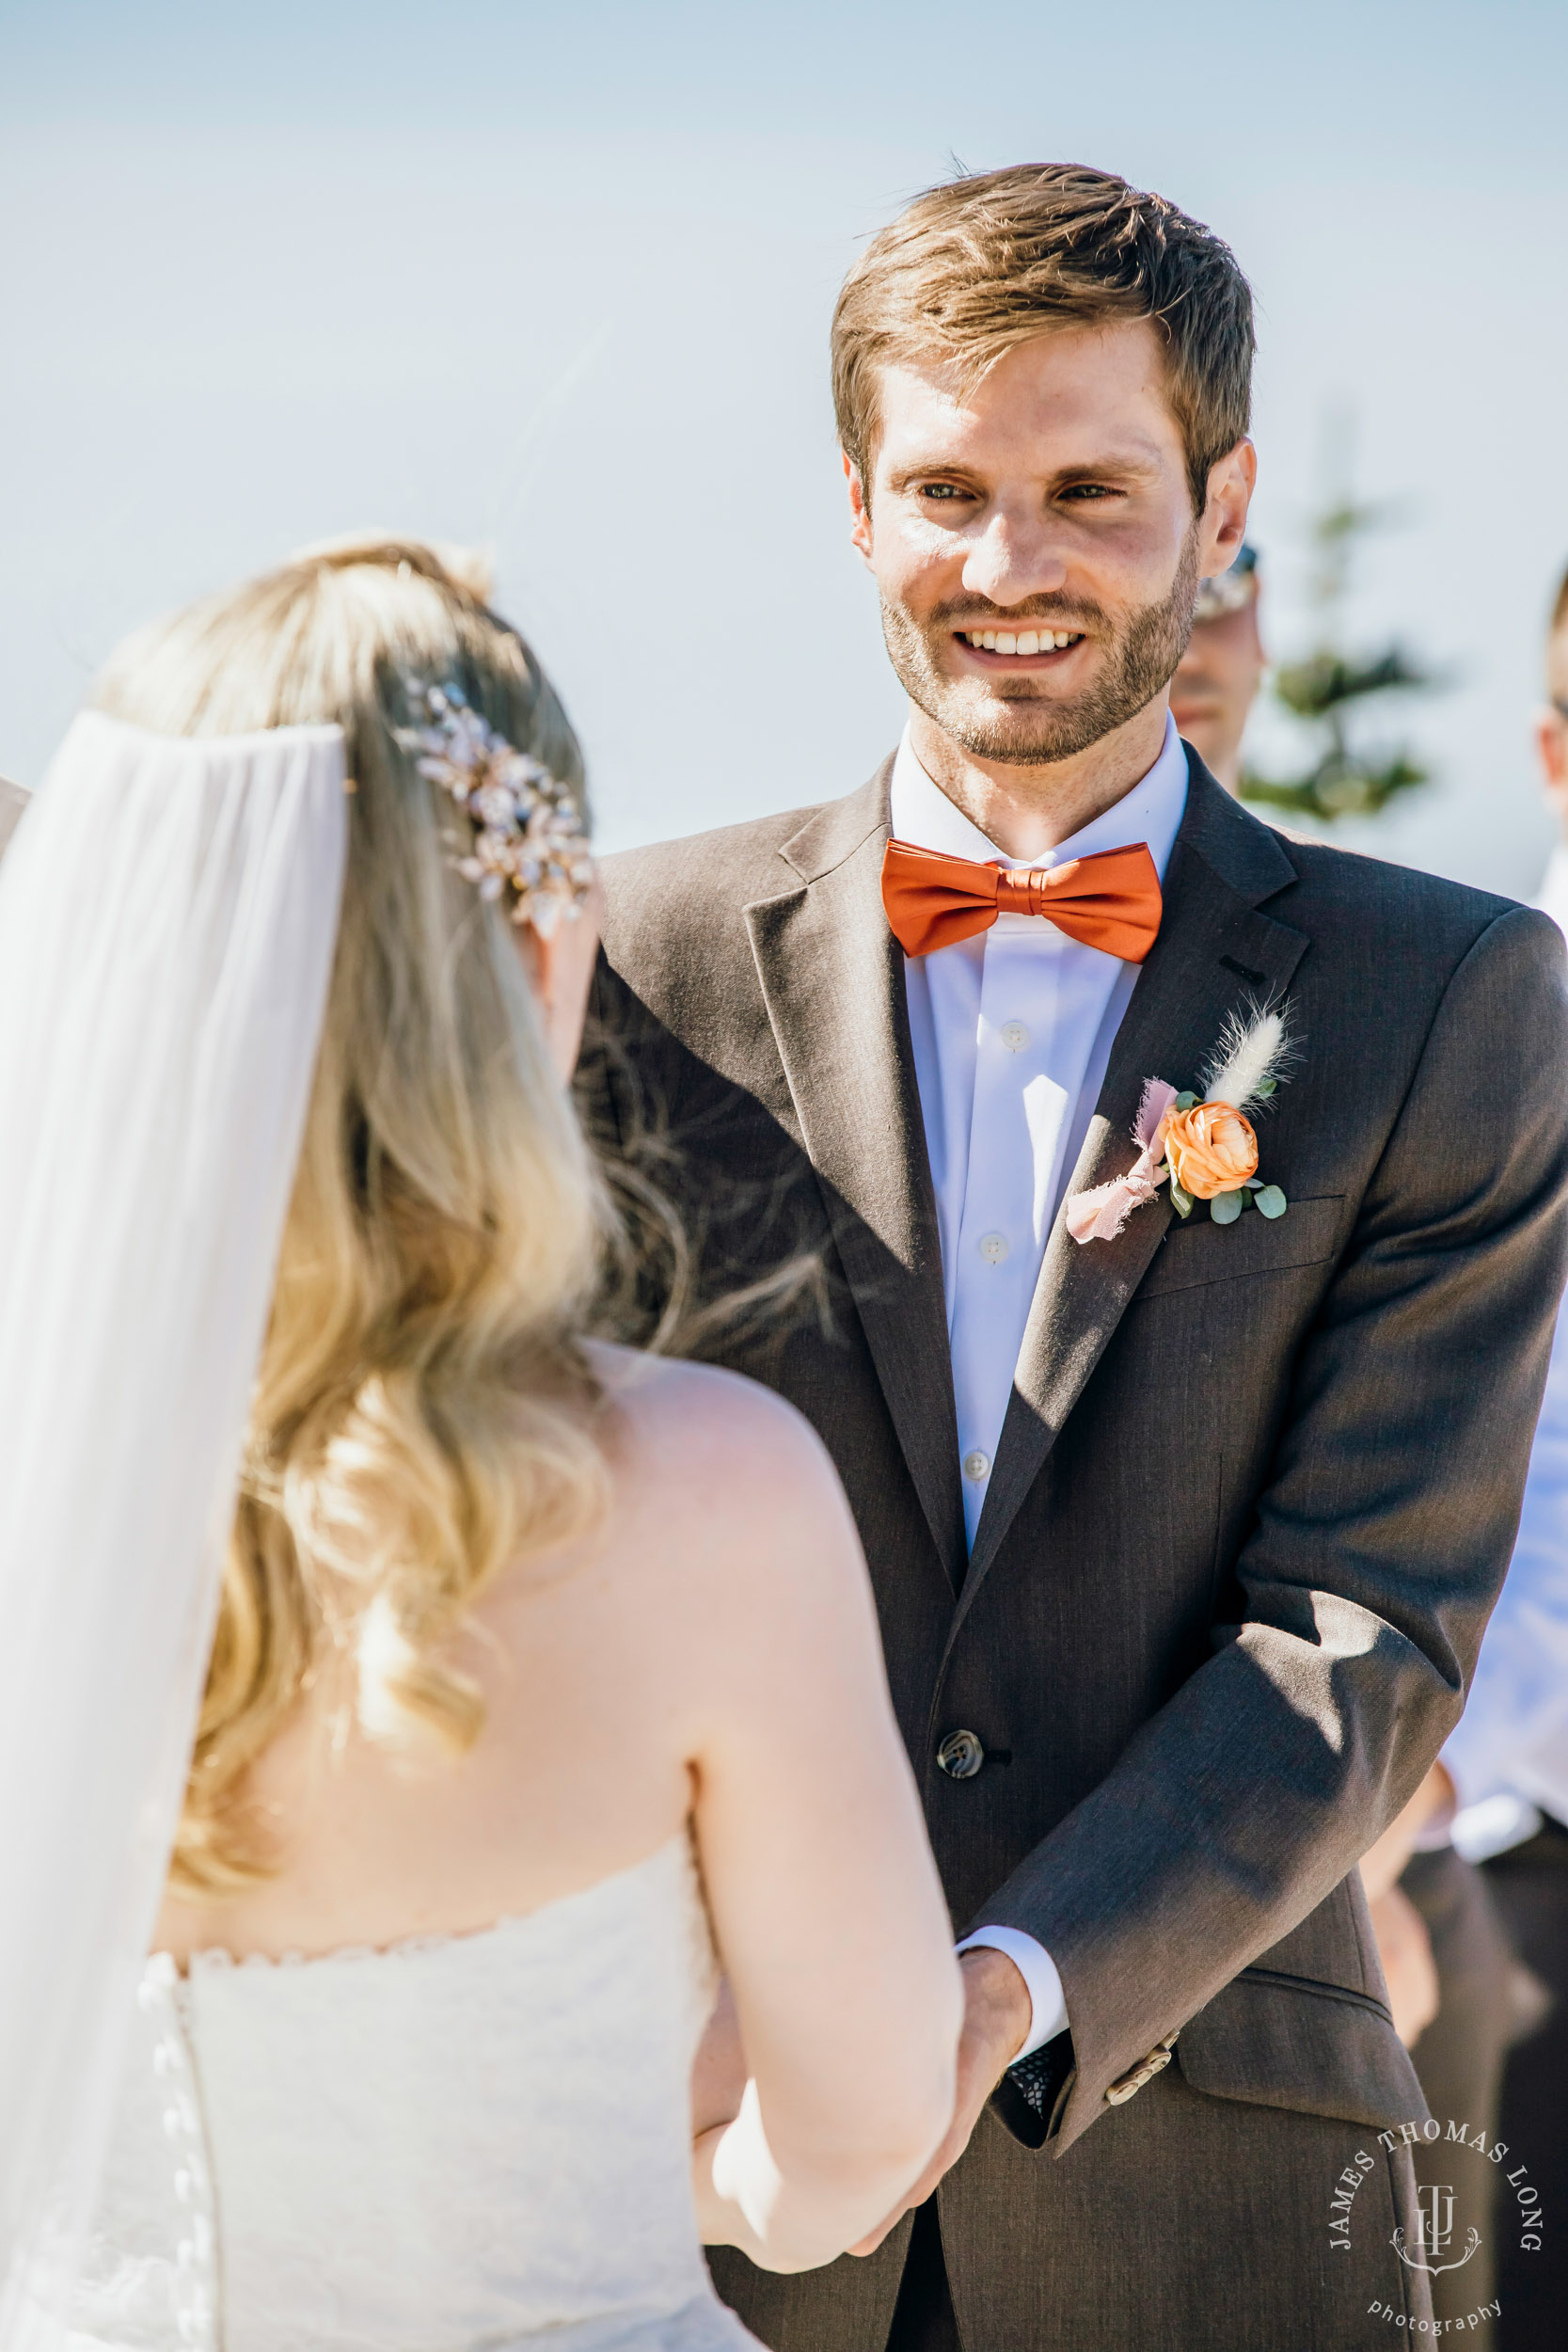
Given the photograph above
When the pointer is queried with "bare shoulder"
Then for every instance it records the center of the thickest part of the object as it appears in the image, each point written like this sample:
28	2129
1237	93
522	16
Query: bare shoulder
726	1502
730	1557
692	1431
727	1549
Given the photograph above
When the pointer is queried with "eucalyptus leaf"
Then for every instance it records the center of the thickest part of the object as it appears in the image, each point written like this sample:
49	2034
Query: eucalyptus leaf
1181	1201
1226	1207
1185	1101
1272	1201
1269	1085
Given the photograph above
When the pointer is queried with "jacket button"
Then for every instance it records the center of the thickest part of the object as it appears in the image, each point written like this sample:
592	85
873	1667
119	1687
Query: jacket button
960	1755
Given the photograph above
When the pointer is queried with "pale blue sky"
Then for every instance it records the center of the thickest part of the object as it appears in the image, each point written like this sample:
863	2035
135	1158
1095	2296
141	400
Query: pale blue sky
560	280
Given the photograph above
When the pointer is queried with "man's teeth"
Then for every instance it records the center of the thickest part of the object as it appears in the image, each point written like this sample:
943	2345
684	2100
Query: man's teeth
1031	640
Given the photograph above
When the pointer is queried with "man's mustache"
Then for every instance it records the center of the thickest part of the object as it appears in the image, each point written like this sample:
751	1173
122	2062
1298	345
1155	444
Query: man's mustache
1057	615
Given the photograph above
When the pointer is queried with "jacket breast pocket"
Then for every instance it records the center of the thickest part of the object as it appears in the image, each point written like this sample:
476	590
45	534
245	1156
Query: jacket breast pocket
1285	2042
1308	1233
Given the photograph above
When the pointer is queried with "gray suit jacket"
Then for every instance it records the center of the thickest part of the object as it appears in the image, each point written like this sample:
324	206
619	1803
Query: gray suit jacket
1258	1484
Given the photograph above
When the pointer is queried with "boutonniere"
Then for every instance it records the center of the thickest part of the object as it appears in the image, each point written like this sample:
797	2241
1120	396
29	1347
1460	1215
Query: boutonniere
1199	1140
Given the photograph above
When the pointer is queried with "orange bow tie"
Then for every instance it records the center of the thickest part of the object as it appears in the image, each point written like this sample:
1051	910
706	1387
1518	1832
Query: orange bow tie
1110	901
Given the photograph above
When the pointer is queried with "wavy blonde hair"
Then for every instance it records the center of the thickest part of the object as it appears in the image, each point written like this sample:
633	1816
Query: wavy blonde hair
425	1413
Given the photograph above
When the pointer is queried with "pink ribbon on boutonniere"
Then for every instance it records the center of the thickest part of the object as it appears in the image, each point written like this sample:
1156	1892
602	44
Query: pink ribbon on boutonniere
1101	1214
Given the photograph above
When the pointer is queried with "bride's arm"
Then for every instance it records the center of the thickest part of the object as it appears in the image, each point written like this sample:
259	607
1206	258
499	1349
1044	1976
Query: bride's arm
719	2071
829	1917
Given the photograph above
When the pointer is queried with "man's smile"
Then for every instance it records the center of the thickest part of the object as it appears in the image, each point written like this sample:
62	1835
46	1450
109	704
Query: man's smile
1041	648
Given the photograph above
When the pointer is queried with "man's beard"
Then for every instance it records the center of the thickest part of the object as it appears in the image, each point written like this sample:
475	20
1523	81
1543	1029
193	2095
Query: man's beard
1019	726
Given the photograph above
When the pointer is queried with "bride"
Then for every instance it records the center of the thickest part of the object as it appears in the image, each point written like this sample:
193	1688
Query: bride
439	1695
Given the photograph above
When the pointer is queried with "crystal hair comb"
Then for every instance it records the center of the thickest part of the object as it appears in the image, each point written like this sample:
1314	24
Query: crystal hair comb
528	827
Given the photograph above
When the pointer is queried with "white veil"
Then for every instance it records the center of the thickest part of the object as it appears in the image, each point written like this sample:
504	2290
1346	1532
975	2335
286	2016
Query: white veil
167	915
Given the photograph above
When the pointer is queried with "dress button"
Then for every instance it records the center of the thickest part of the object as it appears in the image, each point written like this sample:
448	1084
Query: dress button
993	1248
960	1755
1015	1037
976	1465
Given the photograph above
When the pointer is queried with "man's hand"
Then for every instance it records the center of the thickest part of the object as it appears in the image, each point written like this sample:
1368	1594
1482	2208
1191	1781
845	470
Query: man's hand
997	2014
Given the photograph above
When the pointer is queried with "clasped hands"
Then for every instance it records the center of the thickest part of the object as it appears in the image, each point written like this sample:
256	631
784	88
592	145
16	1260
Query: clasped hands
997	2016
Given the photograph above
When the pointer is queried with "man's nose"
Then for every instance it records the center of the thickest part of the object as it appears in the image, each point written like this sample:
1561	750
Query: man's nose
1013	557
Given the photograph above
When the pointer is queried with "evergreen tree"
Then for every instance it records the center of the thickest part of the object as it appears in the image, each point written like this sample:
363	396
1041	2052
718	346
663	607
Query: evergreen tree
1328	693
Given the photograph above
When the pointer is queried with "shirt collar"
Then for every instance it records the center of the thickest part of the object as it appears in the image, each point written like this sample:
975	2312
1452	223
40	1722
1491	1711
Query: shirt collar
1151	812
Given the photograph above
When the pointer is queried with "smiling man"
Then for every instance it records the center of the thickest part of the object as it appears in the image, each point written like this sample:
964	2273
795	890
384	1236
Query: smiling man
1037	528
1183	1522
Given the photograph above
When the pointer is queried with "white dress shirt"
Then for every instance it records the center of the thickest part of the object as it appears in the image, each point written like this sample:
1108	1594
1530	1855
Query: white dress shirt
1508	1756
1012	1031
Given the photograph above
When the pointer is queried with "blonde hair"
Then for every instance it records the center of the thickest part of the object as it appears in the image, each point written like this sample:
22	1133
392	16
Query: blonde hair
424	1412
973	268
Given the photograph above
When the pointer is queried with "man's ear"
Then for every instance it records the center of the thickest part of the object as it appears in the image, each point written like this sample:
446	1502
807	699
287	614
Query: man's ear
1551	746
1223	522
860	508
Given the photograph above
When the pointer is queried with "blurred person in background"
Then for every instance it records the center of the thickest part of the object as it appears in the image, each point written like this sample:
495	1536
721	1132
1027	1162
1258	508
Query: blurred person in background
1218	678
1456	1993
1551	743
1506	1765
1451	1934
1452	1980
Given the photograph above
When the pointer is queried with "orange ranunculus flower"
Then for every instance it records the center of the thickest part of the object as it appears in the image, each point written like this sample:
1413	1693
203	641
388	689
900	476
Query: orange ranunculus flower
1211	1148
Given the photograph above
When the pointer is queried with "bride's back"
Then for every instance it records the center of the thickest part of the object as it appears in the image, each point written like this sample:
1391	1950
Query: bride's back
607	1669
431	2079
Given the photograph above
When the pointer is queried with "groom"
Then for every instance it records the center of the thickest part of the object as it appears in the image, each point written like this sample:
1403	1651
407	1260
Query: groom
1184	1539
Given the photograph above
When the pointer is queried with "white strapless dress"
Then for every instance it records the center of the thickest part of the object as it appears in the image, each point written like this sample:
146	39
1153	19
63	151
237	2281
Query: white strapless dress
467	2141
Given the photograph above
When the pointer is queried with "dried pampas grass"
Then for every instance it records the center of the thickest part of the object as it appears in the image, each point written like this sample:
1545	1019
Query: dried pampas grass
1252	1058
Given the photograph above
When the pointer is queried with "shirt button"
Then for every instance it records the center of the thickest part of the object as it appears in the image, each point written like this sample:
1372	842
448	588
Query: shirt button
976	1465
1015	1037
960	1755
993	1248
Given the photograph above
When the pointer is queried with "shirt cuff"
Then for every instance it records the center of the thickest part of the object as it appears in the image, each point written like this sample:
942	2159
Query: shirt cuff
1038	1970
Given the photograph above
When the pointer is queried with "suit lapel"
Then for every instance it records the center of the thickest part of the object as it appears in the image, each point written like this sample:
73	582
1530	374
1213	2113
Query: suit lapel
1216	951
833	980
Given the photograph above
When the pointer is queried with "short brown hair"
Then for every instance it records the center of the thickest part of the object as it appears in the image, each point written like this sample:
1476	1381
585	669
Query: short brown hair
980	264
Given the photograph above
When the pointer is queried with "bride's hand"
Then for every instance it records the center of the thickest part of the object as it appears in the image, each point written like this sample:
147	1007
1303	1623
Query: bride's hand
997	2016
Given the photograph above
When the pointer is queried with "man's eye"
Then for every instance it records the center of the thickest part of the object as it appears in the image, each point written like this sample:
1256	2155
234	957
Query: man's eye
1090	490
942	490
